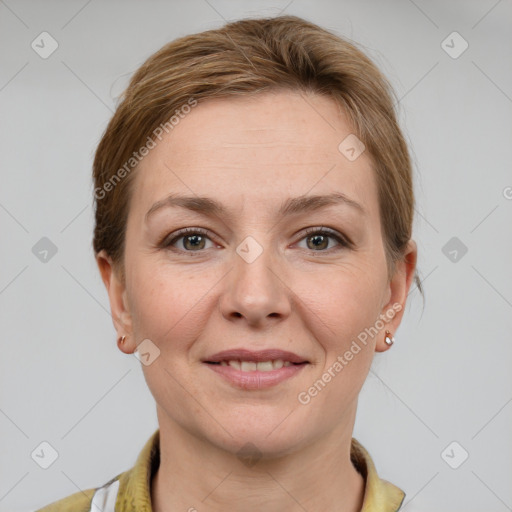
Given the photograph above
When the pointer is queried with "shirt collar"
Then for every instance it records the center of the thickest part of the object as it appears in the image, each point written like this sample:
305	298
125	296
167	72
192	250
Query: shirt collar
379	495
135	484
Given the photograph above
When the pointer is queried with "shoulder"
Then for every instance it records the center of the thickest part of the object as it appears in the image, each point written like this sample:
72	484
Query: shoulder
126	488
78	502
96	499
379	495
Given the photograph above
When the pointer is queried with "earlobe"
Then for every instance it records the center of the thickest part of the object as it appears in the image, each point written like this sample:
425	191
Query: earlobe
124	345
384	341
388	339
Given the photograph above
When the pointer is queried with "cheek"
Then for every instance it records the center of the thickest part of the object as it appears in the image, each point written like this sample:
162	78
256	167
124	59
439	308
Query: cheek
166	305
341	315
346	300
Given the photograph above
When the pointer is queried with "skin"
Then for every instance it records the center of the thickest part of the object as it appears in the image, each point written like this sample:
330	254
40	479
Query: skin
251	154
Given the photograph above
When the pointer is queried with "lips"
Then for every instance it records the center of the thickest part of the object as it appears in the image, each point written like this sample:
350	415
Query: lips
255	356
248	370
255	370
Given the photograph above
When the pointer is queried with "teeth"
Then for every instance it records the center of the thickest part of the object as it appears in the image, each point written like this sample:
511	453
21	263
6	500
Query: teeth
251	366
264	366
248	366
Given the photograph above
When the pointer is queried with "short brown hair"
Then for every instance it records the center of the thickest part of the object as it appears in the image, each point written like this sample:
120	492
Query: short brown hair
246	57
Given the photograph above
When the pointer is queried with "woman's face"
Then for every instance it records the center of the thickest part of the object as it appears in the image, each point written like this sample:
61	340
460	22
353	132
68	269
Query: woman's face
257	272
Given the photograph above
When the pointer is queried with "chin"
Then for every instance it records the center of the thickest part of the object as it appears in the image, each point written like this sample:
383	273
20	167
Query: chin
253	439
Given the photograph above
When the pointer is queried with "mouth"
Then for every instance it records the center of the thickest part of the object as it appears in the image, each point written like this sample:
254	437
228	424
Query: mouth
255	370
253	366
262	360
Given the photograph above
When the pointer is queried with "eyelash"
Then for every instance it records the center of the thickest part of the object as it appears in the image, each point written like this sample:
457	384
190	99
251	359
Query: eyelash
165	243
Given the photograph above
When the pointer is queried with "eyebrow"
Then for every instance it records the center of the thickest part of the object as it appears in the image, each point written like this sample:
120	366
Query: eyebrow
292	206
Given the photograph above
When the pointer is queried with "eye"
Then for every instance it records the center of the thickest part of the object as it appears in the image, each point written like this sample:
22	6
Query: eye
194	239
319	239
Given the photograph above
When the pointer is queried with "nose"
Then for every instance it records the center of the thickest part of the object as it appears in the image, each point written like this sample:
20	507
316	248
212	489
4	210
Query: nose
255	291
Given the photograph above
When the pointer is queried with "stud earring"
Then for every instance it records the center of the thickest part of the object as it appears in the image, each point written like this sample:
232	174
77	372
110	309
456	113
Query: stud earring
389	338
121	339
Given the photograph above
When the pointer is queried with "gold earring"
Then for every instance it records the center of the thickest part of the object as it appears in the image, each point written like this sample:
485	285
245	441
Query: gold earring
389	338
121	339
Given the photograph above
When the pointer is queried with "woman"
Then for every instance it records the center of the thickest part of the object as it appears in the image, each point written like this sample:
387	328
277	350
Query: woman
254	210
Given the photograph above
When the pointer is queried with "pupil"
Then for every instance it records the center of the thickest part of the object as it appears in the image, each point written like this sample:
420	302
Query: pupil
320	239
196	240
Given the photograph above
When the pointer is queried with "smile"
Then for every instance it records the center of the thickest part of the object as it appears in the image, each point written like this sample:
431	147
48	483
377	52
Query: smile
252	366
251	370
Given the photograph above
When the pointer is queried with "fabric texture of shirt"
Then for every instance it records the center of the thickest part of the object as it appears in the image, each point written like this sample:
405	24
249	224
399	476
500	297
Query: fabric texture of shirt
130	491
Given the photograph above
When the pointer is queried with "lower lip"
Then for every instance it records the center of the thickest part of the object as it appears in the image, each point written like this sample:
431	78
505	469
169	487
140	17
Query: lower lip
256	379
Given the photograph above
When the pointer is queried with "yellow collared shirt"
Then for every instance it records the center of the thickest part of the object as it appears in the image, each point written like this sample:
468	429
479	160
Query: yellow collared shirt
130	491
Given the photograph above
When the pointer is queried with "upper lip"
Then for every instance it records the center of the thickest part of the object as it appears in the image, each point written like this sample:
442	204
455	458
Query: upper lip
258	356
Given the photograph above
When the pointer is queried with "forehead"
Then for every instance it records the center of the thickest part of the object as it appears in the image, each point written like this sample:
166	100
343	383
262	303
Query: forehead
260	149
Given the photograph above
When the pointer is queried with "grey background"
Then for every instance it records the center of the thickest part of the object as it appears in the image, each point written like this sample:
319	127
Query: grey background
447	378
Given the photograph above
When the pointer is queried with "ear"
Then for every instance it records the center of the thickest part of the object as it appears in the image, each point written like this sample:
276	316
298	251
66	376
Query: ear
398	288
116	289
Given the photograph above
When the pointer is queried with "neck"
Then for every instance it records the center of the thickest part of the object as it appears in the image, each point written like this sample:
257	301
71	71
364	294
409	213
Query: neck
195	476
